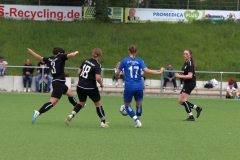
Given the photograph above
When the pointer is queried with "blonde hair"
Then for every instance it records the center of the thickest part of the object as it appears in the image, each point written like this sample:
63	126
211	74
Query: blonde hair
118	63
97	52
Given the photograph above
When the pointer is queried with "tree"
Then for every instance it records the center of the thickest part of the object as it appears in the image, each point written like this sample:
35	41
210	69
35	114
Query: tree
148	2
101	11
192	4
122	3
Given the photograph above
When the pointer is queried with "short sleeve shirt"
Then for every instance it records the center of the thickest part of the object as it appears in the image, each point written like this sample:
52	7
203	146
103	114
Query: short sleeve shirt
57	65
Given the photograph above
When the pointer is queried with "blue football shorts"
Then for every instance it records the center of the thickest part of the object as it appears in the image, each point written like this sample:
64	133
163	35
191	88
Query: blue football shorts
129	94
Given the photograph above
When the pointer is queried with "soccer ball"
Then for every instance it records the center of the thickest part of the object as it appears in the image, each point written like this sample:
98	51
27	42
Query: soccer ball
123	111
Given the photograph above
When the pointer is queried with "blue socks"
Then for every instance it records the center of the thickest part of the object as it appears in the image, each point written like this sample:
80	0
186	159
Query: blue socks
130	111
139	111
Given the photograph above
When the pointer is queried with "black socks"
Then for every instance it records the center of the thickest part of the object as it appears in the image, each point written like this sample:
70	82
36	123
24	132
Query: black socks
101	113
72	100
45	107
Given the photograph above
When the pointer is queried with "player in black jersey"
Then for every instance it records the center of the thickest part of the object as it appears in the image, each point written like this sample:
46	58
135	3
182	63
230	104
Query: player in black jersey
189	84
89	73
57	64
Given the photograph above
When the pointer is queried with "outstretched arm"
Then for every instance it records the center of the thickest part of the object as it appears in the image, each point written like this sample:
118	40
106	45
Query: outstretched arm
70	55
117	72
40	58
149	71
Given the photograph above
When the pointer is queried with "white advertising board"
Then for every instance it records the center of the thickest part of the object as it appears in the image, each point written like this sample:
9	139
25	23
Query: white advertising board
216	16
41	13
173	15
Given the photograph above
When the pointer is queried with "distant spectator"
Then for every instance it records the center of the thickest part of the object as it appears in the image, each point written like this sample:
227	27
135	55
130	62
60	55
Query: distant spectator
169	76
3	64
46	75
27	75
231	92
121	75
234	82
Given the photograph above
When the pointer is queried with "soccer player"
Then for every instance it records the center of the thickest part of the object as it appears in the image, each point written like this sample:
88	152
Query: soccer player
133	83
89	72
189	84
57	64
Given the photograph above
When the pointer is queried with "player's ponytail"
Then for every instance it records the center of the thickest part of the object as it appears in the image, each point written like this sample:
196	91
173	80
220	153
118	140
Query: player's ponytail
192	58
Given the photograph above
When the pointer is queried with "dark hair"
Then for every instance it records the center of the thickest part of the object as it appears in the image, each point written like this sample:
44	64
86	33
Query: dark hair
57	50
192	58
230	83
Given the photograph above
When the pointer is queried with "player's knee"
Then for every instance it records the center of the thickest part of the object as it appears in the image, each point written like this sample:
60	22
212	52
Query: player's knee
98	104
180	101
69	93
54	101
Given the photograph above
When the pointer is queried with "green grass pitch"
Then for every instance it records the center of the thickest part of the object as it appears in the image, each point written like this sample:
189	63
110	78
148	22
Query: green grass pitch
164	135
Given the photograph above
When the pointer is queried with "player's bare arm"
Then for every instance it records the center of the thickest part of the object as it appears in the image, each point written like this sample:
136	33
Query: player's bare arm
70	55
117	73
40	58
189	76
79	71
149	71
99	80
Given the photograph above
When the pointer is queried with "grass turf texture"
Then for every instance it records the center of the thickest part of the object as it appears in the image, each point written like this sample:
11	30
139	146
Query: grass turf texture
164	135
158	44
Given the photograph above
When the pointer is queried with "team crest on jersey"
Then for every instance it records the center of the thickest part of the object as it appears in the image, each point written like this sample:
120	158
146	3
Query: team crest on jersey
133	62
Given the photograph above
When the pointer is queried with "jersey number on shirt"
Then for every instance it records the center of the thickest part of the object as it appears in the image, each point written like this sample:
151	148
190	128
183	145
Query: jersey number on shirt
85	70
133	71
53	68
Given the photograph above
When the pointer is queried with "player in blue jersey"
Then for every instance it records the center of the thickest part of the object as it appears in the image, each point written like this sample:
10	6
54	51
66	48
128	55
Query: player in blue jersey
133	83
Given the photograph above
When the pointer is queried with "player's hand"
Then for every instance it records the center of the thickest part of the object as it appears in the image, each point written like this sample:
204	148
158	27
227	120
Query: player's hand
162	69
76	52
101	86
29	50
176	74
